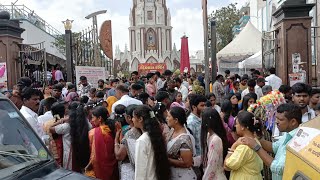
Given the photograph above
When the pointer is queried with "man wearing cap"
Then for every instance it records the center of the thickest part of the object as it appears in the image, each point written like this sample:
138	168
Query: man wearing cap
258	88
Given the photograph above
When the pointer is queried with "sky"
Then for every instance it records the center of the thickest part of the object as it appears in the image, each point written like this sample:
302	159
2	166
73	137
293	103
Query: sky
186	16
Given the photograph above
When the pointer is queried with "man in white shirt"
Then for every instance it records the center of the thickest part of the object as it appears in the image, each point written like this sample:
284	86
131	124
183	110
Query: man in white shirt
37	75
250	89
185	82
182	89
274	81
31	101
124	99
83	86
47	109
159	82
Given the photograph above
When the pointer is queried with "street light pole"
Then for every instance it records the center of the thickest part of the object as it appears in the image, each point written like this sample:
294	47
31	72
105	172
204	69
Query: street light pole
206	50
95	36
68	36
213	49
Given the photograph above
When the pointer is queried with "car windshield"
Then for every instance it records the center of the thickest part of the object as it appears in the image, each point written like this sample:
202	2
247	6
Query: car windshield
19	145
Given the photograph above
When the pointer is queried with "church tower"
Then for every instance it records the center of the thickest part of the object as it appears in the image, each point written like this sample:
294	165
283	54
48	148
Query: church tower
150	33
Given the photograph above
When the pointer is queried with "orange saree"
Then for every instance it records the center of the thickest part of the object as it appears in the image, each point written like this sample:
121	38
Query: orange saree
103	162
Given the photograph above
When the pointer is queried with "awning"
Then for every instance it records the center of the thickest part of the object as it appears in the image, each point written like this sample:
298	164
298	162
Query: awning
247	43
254	61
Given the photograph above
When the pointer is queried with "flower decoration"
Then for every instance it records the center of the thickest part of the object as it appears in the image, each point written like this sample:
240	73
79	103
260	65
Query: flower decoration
266	107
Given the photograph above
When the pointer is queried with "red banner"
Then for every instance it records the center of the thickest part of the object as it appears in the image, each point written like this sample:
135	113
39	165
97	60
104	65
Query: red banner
145	68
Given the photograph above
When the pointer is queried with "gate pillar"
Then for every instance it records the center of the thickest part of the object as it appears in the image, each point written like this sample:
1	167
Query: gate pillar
10	38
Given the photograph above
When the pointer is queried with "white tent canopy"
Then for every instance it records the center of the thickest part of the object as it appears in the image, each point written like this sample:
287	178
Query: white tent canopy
248	42
255	61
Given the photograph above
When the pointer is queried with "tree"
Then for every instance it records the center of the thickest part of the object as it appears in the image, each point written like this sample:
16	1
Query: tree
60	42
226	18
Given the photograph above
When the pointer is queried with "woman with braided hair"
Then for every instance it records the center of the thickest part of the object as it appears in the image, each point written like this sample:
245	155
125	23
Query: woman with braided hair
151	160
161	114
124	147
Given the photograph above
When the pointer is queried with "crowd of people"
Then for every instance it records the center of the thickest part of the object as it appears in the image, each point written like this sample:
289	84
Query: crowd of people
163	126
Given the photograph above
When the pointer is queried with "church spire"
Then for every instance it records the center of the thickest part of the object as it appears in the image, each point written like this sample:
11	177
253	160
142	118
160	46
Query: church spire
174	47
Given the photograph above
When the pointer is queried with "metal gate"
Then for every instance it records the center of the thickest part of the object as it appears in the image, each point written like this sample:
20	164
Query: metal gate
86	49
268	50
34	63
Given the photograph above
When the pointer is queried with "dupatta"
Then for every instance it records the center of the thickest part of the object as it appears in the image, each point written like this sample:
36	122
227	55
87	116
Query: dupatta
103	160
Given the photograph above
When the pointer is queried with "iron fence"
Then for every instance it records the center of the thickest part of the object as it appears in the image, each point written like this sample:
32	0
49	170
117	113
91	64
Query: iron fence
21	12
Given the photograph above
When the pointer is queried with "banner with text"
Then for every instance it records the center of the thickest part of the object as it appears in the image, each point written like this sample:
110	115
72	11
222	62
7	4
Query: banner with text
93	74
145	68
3	77
306	144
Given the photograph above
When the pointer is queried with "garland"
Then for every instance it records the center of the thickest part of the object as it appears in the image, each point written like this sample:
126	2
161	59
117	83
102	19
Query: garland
266	108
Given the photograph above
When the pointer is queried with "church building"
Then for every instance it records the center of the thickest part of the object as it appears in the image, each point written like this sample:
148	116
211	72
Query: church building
150	34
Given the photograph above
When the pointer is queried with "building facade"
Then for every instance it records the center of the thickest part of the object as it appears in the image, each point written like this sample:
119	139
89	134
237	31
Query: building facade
150	34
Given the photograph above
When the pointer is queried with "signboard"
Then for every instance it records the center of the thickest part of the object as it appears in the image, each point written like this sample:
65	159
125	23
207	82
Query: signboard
3	77
296	78
93	74
306	144
145	68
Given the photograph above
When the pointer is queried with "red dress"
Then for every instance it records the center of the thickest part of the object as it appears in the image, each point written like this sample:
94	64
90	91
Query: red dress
103	159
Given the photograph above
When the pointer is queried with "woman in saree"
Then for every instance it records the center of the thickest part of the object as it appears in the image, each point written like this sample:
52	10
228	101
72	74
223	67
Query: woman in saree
103	164
124	151
74	131
55	140
181	146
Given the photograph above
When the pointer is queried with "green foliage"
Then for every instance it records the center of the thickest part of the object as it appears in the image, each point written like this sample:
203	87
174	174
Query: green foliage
60	42
197	88
226	18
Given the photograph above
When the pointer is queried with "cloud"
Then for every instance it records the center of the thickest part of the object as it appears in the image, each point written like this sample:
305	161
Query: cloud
186	17
60	10
188	21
